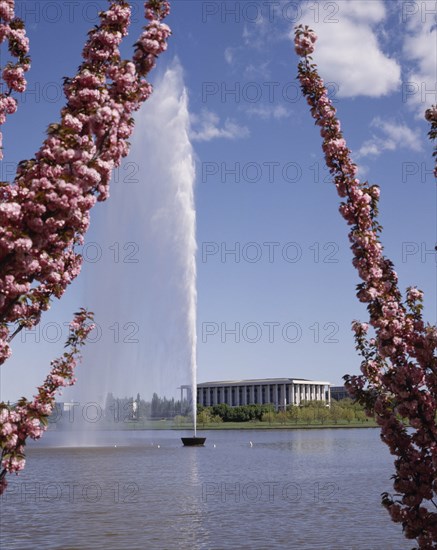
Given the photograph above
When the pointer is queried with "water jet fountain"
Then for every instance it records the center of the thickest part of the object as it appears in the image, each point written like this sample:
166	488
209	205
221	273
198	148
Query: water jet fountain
142	284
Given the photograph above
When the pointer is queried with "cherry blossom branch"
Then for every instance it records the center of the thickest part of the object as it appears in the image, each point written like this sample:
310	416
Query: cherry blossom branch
45	212
399	380
29	418
12	30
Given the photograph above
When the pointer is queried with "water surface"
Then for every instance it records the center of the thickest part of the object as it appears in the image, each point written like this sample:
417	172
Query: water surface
303	489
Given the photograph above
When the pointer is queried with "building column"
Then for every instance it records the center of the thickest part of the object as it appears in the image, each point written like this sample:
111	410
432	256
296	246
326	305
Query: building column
214	395
276	397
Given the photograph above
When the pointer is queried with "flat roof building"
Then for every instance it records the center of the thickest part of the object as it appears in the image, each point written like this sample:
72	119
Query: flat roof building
278	391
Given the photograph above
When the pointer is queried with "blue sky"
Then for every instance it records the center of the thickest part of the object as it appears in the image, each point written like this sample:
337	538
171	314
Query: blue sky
282	302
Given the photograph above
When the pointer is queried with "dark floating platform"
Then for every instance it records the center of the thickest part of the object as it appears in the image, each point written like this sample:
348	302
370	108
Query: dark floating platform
193	441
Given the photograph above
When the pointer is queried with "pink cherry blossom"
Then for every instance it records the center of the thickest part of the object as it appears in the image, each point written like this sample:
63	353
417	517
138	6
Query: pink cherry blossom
398	383
44	212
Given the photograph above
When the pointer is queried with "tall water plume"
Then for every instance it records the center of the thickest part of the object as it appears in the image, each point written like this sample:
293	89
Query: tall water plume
140	268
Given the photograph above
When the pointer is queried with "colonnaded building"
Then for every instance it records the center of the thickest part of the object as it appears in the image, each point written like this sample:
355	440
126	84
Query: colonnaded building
278	391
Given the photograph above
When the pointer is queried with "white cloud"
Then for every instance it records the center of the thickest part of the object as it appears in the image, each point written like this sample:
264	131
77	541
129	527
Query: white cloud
258	70
254	34
269	111
206	126
420	48
391	136
348	51
371	12
229	55
267	26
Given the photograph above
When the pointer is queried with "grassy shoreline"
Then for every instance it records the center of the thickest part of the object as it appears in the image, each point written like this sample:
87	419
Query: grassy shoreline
169	425
277	426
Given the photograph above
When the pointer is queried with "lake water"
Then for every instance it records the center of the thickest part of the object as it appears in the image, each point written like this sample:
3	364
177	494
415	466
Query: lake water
293	489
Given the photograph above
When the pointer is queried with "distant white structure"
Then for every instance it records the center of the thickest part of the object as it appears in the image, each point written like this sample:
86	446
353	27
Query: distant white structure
278	391
134	409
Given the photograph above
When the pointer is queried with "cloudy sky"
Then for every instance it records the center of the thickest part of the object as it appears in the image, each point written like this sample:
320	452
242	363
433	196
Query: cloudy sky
275	285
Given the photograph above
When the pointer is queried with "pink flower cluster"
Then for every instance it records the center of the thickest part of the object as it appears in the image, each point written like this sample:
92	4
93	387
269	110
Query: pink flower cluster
12	30
44	213
304	41
399	380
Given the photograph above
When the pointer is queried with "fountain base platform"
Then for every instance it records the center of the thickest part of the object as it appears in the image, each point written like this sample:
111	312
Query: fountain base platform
193	441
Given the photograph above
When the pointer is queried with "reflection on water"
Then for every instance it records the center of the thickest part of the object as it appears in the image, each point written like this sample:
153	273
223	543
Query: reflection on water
193	528
305	489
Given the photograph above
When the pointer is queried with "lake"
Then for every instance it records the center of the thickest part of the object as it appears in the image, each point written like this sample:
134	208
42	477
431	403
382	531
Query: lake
294	489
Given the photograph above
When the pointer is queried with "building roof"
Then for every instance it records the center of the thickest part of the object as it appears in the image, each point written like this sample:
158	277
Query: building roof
261	381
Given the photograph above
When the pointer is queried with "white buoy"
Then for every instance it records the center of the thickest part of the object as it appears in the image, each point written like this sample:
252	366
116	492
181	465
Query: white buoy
159	446
214	445
250	443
